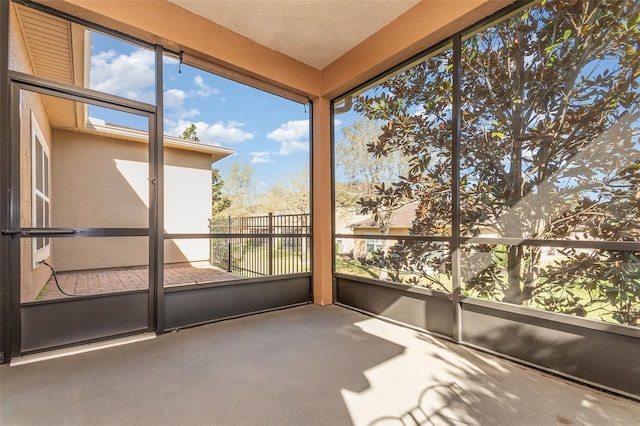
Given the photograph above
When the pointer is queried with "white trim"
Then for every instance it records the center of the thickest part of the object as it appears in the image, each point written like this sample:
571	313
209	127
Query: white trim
37	138
89	347
100	127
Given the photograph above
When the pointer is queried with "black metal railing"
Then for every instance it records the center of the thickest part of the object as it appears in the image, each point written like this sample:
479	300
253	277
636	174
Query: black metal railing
262	245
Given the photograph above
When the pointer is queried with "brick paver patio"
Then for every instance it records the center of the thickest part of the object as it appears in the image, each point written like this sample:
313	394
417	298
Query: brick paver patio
102	281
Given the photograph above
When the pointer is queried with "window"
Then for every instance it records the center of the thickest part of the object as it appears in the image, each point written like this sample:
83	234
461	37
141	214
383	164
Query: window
41	190
374	246
545	188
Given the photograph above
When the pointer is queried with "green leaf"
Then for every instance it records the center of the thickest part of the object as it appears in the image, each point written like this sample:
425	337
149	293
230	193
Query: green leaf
566	35
551	48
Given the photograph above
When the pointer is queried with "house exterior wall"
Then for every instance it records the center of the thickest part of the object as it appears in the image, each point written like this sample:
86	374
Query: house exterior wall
100	182
32	278
360	245
187	204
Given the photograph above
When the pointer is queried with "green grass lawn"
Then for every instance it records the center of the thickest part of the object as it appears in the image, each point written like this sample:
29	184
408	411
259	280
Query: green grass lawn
256	259
440	282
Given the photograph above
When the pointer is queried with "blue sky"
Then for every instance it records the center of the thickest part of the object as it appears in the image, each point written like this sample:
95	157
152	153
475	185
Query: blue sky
269	132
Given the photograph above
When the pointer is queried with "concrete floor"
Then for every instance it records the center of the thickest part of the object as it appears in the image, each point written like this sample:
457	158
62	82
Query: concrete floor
309	365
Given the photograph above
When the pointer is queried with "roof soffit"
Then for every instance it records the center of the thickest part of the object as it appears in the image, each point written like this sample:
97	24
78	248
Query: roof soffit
315	32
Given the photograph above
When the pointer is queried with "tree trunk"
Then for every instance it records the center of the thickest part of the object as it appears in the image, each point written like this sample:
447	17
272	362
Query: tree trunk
515	272
522	280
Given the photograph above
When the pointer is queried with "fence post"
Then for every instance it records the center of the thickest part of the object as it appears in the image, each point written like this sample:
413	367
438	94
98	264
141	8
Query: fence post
211	240
270	244
229	244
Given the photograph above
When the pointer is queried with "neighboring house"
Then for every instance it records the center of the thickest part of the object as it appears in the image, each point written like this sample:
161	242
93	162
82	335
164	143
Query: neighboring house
343	220
81	172
398	223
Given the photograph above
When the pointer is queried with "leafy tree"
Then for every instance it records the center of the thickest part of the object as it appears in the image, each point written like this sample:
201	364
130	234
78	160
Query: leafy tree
219	201
357	166
363	173
550	150
240	190
288	197
191	133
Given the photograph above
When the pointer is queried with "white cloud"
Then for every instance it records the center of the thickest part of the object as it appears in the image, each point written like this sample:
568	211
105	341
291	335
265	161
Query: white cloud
205	90
290	147
292	135
184	114
260	157
174	105
174	98
131	76
217	133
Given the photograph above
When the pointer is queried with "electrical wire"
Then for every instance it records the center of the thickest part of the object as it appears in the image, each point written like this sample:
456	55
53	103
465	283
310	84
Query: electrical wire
55	278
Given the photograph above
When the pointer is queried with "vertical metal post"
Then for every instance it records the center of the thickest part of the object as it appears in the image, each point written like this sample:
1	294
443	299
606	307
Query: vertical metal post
156	224
229	245
270	244
456	116
5	198
13	197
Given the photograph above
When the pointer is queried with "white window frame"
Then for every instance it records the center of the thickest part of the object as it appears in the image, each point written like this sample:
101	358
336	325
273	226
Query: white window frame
372	246
37	138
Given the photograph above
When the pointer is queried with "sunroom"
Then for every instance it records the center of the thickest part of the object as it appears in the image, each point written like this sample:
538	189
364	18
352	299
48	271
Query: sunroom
474	175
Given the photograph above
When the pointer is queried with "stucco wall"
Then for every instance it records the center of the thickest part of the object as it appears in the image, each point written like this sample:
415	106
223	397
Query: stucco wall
100	182
32	279
187	203
360	245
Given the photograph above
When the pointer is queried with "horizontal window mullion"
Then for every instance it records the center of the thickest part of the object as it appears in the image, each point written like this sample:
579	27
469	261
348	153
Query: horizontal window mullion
69	232
219	236
393	237
607	245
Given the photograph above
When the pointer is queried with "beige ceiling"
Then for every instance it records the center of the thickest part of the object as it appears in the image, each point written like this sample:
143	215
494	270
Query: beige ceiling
315	32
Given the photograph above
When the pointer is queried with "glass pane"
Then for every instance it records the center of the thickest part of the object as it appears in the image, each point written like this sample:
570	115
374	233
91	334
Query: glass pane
393	153
46	214
73	54
551	127
416	263
45	185
38	166
39	212
595	284
247	172
234	159
99	169
86	266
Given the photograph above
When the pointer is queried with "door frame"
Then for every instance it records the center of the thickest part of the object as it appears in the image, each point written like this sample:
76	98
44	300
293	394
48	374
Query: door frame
18	82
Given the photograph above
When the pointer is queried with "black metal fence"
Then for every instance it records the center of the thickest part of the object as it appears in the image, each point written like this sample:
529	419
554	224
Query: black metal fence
262	245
